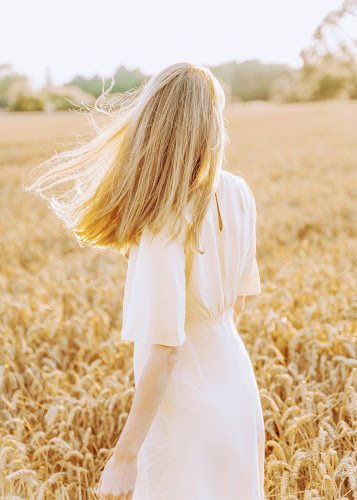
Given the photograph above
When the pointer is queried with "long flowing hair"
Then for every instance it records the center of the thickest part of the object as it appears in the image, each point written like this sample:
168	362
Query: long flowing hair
155	158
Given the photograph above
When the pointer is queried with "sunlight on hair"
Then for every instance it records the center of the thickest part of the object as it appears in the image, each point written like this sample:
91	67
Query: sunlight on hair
152	161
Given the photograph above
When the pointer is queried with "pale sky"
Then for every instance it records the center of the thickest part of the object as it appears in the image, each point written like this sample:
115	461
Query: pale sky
88	37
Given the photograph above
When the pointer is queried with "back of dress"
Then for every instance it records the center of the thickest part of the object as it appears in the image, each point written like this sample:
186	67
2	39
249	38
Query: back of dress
228	267
206	441
165	286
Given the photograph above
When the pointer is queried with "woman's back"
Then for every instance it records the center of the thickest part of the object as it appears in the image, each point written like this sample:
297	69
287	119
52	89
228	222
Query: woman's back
172	283
228	267
207	439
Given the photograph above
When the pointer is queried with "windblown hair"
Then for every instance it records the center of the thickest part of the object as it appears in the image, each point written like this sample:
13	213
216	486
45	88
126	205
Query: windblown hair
159	151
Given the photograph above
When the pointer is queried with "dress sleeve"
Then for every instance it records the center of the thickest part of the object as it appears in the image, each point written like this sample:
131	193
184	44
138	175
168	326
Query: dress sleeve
154	301
249	283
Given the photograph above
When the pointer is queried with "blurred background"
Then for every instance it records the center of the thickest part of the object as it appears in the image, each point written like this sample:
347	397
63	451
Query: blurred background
269	51
289	72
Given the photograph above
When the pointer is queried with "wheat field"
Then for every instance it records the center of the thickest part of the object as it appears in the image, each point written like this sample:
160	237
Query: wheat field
67	380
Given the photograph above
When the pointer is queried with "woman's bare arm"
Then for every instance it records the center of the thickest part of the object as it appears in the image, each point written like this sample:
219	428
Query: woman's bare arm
148	396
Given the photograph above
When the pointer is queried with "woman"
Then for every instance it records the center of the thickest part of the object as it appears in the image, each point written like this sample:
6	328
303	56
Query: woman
150	184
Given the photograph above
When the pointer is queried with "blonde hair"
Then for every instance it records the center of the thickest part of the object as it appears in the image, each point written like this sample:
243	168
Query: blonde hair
158	152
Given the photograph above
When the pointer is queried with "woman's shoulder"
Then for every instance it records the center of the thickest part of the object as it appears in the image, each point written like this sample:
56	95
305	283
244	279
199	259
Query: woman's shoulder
238	179
240	184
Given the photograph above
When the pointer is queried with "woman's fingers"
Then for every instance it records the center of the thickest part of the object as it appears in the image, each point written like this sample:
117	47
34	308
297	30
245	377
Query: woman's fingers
117	480
126	496
122	496
107	496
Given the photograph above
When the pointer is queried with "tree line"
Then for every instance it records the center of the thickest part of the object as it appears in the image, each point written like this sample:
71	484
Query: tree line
329	71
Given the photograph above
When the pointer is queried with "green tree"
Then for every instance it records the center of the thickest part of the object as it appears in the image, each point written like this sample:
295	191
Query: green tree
8	77
26	103
92	85
124	80
333	47
250	80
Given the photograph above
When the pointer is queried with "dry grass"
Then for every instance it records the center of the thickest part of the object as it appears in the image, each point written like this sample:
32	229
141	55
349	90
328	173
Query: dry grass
67	379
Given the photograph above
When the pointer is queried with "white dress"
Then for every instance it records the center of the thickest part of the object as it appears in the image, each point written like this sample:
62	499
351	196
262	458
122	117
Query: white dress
207	439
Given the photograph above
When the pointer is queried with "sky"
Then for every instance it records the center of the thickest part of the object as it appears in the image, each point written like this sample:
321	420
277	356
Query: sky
88	37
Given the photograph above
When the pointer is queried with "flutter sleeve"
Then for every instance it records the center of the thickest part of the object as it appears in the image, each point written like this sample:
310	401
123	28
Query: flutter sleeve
154	301
249	282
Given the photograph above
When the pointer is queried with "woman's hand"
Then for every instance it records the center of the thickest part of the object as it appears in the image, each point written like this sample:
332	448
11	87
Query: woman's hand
118	479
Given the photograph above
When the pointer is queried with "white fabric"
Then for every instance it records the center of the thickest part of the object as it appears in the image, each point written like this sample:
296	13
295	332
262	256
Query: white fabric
207	439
